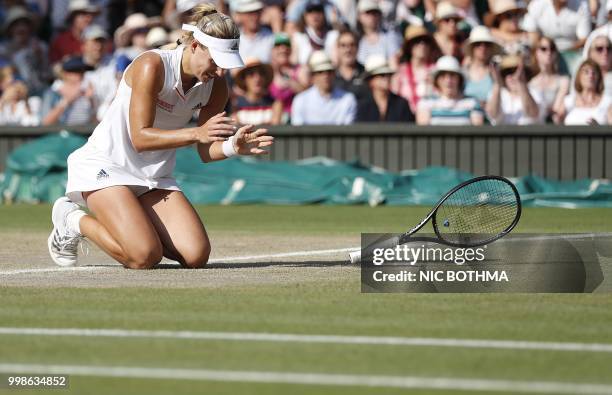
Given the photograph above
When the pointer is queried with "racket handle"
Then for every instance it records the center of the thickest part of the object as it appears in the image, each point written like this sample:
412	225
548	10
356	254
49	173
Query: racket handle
384	242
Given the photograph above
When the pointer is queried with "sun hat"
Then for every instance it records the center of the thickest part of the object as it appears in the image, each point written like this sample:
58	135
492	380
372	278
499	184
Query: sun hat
368	5
499	7
157	37
250	64
447	64
319	61
223	51
377	65
14	14
481	34
445	10
94	32
244	6
82	6
132	23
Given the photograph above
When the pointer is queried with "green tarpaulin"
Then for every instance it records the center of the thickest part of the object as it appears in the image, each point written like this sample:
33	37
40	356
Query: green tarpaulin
36	172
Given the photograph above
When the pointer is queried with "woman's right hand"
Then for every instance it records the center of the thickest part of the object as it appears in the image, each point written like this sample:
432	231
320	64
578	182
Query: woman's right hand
217	128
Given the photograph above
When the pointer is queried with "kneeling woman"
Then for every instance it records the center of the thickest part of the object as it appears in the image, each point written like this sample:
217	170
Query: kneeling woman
124	172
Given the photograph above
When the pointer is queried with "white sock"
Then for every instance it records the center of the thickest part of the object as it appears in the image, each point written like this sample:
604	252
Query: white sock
73	220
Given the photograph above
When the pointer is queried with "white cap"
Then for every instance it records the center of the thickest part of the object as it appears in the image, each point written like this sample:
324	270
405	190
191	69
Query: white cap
447	64
319	61
244	6
377	65
368	5
94	32
223	51
15	13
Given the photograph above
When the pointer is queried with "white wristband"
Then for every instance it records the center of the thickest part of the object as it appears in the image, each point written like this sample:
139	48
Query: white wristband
228	147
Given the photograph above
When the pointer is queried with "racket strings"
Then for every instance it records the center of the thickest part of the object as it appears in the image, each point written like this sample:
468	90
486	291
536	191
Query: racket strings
477	212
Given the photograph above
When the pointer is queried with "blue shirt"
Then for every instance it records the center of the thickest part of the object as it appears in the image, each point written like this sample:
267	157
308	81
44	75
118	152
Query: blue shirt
312	108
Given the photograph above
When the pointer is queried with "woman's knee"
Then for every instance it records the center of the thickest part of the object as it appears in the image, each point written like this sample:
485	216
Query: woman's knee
143	255
195	257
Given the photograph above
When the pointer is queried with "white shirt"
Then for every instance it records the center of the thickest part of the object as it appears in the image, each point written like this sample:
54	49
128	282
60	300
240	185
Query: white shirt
173	110
582	115
512	111
310	107
20	114
258	46
572	23
301	44
388	45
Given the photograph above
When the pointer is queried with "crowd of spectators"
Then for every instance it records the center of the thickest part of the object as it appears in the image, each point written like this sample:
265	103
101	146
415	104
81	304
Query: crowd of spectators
433	62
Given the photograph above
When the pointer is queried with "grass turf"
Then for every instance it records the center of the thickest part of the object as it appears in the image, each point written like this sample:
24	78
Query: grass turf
330	307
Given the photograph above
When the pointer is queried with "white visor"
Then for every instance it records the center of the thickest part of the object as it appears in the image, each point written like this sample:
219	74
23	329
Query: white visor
223	51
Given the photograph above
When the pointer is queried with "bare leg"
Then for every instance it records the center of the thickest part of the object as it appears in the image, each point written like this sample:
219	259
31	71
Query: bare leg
179	227
121	227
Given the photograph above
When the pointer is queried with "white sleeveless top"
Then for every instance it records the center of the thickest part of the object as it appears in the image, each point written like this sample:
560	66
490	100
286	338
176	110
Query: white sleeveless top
174	110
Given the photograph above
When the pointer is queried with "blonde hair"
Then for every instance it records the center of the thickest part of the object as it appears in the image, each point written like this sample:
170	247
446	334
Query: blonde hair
212	22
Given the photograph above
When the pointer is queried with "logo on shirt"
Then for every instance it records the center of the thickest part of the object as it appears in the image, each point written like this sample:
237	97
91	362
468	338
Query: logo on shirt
165	105
101	175
197	107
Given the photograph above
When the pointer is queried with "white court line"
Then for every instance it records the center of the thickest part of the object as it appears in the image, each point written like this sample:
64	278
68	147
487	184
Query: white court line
348	380
217	260
326	339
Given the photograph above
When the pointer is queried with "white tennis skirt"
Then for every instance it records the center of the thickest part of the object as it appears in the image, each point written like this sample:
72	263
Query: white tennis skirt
90	170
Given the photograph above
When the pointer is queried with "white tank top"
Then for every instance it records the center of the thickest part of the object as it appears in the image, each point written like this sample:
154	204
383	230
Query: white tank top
174	110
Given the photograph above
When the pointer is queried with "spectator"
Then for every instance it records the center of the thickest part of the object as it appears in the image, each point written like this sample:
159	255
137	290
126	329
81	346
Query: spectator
25	50
604	30
381	105
548	86
349	71
112	82
177	12
588	105
412	81
68	43
409	13
504	20
95	41
131	37
317	34
256	106
568	22
600	51
334	16
16	108
480	49
287	81
449	106
256	41
157	37
323	103
69	100
374	39
511	102
60	8
447	33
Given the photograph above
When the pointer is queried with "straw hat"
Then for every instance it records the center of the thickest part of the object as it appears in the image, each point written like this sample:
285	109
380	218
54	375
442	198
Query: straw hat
124	33
413	32
250	64
481	34
447	64
446	10
319	61
377	65
14	14
512	62
499	7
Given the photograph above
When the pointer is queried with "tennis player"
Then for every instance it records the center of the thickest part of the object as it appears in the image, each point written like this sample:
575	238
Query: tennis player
123	174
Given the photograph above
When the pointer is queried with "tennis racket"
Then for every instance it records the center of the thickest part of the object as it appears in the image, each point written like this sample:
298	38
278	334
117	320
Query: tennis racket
474	213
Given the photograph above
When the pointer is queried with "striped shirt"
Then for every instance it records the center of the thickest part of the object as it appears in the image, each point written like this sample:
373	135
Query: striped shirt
445	111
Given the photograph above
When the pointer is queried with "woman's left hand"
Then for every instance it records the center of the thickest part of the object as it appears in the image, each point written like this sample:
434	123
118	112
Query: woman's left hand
249	142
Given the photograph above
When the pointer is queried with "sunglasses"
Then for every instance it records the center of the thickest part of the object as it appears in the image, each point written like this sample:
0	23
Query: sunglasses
483	44
453	19
602	48
511	14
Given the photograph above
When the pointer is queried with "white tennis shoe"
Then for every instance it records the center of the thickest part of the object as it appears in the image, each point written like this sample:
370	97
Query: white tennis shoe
63	243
